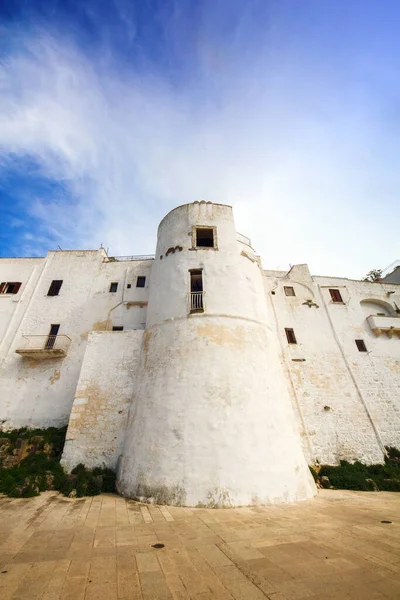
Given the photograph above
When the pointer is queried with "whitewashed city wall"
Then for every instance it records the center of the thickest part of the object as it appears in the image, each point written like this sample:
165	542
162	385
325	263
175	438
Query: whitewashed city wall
347	401
39	392
103	395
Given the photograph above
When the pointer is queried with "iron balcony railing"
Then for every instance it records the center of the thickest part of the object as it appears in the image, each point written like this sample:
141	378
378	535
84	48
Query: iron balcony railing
44	344
196	301
134	257
243	238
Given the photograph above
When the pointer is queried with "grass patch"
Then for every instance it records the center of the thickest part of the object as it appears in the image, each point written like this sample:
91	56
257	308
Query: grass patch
35	466
357	476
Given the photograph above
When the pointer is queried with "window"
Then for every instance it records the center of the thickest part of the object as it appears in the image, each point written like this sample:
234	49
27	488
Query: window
205	237
118	328
55	287
141	281
291	338
336	296
361	345
289	291
10	287
129	286
196	291
51	339
114	286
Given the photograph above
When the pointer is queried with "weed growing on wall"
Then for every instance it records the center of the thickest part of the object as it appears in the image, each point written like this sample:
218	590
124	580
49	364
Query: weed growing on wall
357	476
30	464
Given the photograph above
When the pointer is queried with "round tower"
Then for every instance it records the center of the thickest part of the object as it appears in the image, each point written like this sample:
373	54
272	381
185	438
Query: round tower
211	422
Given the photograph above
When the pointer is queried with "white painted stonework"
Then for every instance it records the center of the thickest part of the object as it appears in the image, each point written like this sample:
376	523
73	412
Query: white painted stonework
212	407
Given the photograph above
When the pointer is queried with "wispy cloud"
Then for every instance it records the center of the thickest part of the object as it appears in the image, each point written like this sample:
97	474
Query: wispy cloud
307	157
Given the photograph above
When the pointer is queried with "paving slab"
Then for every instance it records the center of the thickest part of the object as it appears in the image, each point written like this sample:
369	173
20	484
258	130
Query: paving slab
337	546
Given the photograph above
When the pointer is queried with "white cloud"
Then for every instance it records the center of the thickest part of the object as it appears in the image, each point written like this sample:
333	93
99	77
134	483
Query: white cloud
302	170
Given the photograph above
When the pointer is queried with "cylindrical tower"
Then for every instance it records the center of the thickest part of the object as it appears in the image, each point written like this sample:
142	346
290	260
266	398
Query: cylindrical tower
211	422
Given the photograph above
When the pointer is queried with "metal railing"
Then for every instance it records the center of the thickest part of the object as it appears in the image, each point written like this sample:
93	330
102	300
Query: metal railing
243	238
134	257
45	342
196	301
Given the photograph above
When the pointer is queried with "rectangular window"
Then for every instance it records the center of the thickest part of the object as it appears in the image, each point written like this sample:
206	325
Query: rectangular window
361	345
291	338
196	290
114	286
129	286
118	328
51	339
336	296
141	281
204	237
55	287
289	291
10	287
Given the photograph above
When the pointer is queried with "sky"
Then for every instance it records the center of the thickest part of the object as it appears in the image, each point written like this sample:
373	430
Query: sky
113	112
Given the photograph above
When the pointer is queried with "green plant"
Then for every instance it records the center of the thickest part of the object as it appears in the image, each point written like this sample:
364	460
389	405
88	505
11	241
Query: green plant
41	469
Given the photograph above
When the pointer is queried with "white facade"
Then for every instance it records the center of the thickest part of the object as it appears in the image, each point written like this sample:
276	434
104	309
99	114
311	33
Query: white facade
220	403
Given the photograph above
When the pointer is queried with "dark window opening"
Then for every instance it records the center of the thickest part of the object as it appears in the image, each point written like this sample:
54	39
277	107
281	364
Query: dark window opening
141	281
51	339
336	296
117	328
114	286
55	287
291	338
205	238
129	286
10	287
361	345
289	291
196	291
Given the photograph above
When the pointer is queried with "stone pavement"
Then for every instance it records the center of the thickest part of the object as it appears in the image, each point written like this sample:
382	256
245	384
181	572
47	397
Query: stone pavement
101	548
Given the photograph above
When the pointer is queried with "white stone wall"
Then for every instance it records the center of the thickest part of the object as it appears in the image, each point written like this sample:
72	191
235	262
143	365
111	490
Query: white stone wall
102	399
39	392
347	401
219	400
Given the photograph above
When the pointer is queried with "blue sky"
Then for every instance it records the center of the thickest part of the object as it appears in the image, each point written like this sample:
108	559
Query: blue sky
113	112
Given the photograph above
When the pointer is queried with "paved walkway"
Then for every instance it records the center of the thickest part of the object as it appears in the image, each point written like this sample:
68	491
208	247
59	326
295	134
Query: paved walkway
100	548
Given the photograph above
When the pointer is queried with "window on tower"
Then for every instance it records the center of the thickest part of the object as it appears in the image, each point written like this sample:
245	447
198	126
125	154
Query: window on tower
196	294
204	237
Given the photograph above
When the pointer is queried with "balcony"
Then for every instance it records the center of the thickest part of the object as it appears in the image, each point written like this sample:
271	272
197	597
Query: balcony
44	346
196	302
384	324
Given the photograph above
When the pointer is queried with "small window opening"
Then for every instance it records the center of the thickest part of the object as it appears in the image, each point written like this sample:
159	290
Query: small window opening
196	291
204	238
336	296
118	328
291	338
141	281
361	345
10	287
129	286
289	291
114	286
51	338
55	287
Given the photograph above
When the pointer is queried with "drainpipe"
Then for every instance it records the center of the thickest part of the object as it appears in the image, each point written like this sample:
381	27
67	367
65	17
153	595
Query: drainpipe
361	397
